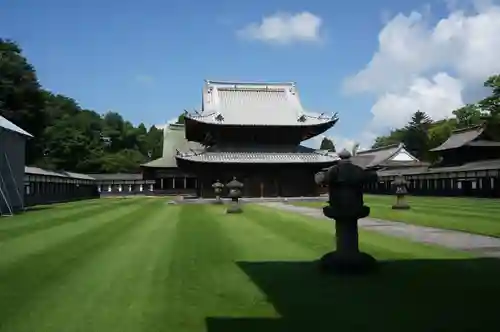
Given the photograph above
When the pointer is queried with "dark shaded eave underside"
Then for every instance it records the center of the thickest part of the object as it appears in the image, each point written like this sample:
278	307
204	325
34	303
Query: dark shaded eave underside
202	128
222	124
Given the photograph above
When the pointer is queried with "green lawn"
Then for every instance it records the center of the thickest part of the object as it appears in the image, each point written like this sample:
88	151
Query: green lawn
142	265
473	215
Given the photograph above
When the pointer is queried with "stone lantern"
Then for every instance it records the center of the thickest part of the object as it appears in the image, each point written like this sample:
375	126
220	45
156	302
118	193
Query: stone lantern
218	186
345	205
401	191
234	187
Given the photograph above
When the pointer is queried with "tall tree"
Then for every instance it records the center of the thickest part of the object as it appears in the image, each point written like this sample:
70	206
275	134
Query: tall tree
180	119
490	106
468	115
327	144
416	138
21	98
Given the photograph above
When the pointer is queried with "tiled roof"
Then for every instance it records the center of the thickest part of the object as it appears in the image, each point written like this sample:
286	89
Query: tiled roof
233	103
60	174
460	138
481	165
483	143
174	139
6	124
375	157
117	176
259	157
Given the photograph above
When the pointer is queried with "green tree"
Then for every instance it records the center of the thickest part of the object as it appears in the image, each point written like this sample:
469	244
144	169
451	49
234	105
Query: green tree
21	98
155	142
396	136
327	144
467	116
490	106
180	119
416	137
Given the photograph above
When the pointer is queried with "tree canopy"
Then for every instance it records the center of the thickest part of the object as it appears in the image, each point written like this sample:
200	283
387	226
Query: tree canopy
327	144
422	133
68	136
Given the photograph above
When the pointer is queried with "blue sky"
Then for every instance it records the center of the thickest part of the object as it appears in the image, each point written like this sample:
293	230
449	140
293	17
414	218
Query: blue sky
148	59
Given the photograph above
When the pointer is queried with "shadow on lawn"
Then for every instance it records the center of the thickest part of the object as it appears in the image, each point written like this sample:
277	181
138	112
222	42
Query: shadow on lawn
406	295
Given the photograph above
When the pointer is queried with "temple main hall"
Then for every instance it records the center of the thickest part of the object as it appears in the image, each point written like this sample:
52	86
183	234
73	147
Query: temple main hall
253	131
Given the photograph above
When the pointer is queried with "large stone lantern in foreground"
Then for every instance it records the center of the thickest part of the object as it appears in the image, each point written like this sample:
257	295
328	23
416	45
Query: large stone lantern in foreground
234	187
345	205
218	186
401	191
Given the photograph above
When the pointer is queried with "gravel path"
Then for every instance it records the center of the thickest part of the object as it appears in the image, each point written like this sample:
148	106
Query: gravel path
480	244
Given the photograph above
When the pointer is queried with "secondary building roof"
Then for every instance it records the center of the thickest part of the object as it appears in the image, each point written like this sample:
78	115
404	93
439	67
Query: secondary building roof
480	165
174	139
394	155
6	124
116	176
30	170
243	103
460	138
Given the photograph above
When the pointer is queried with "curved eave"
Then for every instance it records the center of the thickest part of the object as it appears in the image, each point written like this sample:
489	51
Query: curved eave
205	120
196	129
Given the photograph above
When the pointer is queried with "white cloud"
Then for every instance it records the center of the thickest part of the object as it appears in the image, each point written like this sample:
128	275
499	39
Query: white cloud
436	97
431	67
285	28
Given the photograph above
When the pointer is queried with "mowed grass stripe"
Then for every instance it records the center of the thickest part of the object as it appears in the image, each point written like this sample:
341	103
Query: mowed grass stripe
26	280
318	235
115	287
293	227
39	213
32	243
479	216
257	242
55	218
411	272
477	212
438	201
203	278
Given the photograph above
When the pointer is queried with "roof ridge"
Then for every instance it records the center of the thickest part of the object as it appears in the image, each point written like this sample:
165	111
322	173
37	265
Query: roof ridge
385	147
470	128
10	126
290	83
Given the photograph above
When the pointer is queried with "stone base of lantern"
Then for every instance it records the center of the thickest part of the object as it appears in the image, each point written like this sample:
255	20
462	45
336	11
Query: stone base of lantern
355	263
218	200
401	204
400	207
347	259
234	209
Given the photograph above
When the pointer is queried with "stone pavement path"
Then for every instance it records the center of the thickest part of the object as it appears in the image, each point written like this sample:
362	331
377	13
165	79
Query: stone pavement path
479	244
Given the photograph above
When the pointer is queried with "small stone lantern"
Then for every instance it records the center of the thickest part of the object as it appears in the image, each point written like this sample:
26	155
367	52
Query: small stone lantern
218	186
234	187
399	185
